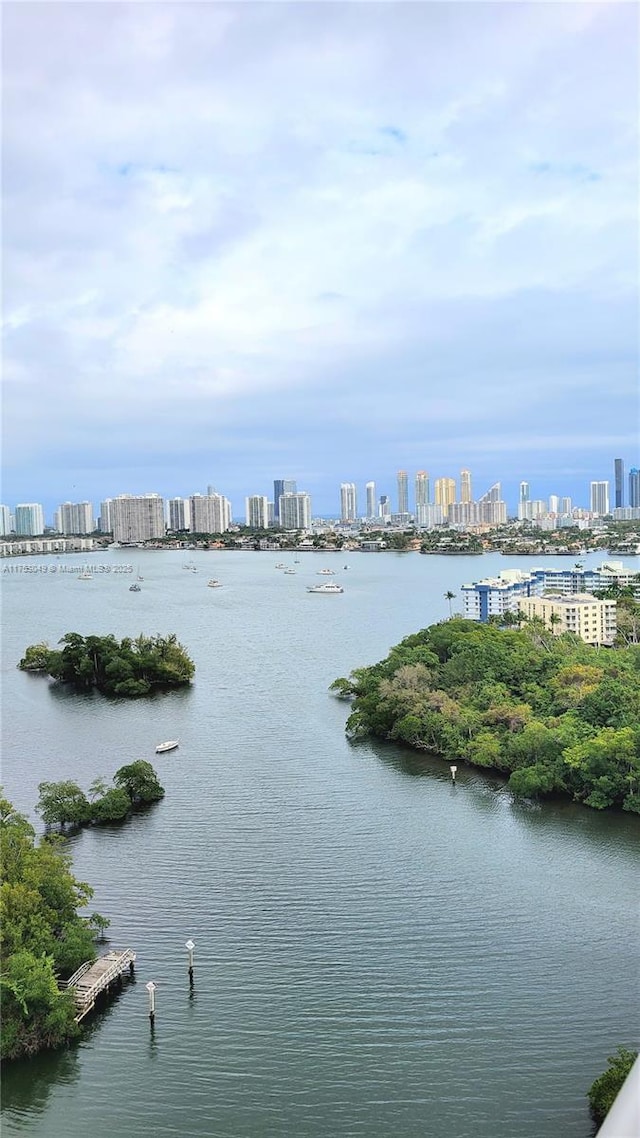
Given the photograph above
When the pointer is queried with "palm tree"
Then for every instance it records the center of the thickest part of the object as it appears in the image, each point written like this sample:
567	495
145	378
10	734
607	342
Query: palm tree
449	596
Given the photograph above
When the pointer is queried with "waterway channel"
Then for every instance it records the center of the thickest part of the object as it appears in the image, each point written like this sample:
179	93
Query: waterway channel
377	951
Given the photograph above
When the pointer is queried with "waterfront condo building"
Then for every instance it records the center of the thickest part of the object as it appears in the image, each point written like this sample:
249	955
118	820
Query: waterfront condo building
600	498
618	469
295	511
257	511
136	518
209	513
634	486
29	519
179	515
403	491
494	596
445	493
281	486
75	518
593	620
423	495
348	502
465	486
104	521
371	499
5	521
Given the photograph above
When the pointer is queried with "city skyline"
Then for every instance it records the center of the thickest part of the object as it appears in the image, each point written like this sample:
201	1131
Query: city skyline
209	280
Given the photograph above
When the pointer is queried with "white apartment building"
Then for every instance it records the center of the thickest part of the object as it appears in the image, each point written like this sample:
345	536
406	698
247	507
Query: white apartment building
209	513
178	514
348	502
295	511
371	499
494	596
257	511
136	518
593	620
75	517
600	498
47	545
104	521
29	519
5	521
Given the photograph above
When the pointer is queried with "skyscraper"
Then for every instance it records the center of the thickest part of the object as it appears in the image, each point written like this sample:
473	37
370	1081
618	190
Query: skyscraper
465	486
492	509
348	502
422	488
137	517
104	521
385	506
295	510
75	518
209	513
5	521
403	492
445	493
371	499
634	486
281	486
554	504
565	505
29	519
618	467
600	498
257	511
178	514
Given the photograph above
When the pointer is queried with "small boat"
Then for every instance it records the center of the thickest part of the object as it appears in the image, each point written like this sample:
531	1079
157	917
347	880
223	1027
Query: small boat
280	565
170	745
85	576
326	587
135	588
214	584
326	572
289	571
346	566
296	561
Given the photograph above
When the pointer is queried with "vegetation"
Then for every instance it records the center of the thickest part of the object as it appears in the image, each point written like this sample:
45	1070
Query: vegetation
64	803
42	938
627	611
557	715
123	668
603	1090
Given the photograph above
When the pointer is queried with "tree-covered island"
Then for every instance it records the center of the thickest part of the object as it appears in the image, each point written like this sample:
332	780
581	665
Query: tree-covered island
557	715
129	667
43	939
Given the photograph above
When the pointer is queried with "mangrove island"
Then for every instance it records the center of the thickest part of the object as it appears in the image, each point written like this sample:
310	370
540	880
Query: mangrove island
129	667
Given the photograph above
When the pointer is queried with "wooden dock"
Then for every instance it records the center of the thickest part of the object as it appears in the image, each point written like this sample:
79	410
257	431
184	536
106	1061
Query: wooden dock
92	979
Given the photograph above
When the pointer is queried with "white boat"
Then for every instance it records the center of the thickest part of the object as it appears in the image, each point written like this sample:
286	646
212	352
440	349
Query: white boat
326	587
280	565
289	571
85	576
170	745
326	572
214	584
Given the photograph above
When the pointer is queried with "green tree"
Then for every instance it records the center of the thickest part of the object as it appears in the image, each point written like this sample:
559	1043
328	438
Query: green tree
113	806
140	782
63	802
604	1089
449	596
36	658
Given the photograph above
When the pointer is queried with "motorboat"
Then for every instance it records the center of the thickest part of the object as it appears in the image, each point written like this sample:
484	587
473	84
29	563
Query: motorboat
326	587
326	572
280	565
214	584
289	571
135	588
170	745
85	576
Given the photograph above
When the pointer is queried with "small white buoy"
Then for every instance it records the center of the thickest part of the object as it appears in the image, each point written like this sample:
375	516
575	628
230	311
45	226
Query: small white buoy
453	773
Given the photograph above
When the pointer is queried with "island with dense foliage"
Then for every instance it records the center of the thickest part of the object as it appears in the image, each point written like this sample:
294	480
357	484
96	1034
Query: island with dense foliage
129	667
65	803
557	715
43	938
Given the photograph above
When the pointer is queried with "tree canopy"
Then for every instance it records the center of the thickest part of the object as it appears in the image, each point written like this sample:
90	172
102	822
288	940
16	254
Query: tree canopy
604	1089
64	803
42	936
554	713
130	667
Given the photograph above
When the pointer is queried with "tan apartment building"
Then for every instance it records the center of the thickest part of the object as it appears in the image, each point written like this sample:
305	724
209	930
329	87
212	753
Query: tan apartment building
594	621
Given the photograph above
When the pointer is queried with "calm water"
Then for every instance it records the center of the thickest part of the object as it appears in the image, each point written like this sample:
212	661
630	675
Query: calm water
377	952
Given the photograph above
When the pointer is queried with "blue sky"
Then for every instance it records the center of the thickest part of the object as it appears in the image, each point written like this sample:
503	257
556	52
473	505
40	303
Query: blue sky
321	241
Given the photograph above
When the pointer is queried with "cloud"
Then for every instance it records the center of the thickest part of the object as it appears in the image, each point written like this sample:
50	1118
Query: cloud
391	216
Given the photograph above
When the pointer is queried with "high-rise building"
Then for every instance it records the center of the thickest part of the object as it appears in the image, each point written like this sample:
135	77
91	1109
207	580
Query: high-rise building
5	521
423	495
618	467
385	506
465	486
257	511
179	515
565	505
348	502
524	497
75	518
403	492
137	517
634	486
445	493
104	521
371	499
295	510
600	498
29	519
554	504
492	508
281	486
209	513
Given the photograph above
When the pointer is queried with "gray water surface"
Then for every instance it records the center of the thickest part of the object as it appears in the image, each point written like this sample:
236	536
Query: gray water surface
377	952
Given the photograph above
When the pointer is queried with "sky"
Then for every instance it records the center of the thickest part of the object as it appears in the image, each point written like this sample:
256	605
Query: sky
322	241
